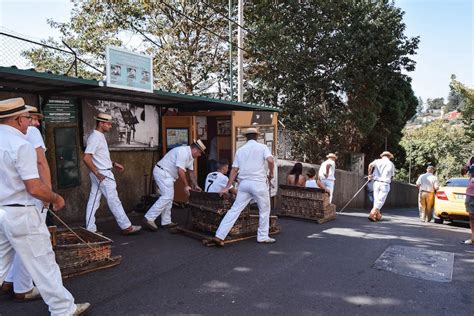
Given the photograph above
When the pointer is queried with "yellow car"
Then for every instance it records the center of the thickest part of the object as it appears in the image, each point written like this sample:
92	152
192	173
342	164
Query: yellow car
449	201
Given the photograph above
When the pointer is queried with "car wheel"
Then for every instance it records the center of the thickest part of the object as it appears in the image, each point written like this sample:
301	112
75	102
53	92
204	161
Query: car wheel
438	220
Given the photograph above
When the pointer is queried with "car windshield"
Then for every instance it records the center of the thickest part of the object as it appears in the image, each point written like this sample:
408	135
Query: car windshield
457	182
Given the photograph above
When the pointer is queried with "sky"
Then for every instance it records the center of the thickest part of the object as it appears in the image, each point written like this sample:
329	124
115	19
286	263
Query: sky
445	27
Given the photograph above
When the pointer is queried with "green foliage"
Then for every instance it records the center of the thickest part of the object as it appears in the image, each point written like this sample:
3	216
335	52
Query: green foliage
467	110
435	104
419	107
334	67
186	56
455	101
440	144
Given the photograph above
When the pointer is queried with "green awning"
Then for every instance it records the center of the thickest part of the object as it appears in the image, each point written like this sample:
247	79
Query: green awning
47	84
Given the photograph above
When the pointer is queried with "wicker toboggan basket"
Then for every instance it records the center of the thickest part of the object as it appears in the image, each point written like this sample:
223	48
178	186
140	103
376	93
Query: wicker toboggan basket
208	210
310	203
72	253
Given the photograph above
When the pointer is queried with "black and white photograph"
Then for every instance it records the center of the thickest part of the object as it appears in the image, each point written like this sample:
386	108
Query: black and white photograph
145	75
134	126
131	73
116	70
223	128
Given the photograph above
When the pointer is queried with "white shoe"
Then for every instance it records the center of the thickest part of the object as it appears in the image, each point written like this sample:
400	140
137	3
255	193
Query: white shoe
468	242
149	225
81	309
267	241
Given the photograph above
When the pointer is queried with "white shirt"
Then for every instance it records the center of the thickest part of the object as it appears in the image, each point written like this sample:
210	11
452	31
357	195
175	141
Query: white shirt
215	182
311	184
383	170
18	163
251	161
33	135
332	170
98	148
428	182
178	157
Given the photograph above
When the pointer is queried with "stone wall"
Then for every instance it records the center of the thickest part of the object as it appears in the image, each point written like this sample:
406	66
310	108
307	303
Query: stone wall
348	183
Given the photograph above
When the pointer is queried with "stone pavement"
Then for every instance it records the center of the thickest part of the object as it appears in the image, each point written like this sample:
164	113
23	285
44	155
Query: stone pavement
312	269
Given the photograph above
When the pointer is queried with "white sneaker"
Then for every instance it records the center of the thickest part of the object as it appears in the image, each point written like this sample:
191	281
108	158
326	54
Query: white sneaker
267	241
468	242
81	309
149	225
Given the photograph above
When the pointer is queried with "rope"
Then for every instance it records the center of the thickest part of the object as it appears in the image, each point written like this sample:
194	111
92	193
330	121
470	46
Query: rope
75	234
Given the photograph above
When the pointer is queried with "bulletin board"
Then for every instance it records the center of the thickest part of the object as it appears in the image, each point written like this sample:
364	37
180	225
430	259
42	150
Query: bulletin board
266	136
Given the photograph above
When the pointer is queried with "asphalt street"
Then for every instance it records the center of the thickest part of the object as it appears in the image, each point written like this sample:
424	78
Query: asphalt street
312	269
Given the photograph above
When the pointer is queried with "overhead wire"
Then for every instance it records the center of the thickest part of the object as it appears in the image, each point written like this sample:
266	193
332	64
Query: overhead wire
228	19
202	26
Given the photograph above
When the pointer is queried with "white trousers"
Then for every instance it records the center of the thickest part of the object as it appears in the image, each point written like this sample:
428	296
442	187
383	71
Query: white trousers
164	204
23	231
248	189
108	187
18	275
381	190
330	186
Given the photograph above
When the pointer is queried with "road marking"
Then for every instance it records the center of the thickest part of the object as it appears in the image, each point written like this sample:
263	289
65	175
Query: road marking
431	265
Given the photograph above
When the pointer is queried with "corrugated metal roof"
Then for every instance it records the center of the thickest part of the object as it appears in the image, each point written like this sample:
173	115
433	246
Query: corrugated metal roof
48	84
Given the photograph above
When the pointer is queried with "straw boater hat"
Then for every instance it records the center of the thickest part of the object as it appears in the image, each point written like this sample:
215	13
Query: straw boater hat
12	107
250	130
199	144
103	117
35	112
386	153
331	155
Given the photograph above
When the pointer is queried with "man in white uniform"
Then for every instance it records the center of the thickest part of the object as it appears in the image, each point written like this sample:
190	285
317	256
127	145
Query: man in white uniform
381	171
327	174
217	181
97	159
427	184
18	278
20	219
249	163
175	164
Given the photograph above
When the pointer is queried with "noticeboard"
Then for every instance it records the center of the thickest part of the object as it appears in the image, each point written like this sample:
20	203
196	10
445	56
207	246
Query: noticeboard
127	70
60	111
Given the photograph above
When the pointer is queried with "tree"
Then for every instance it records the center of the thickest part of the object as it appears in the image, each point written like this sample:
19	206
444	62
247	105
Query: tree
468	106
435	104
330	65
187	56
420	106
440	144
455	101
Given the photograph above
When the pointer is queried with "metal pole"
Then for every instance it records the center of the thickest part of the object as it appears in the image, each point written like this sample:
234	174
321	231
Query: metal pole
230	52
409	170
240	53
344	207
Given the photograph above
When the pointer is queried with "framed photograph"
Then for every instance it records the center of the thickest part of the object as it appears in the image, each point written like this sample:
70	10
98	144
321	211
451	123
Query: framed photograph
176	137
134	125
223	128
269	145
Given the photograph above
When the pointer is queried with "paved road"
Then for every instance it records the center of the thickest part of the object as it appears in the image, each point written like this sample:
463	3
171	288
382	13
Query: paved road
311	270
